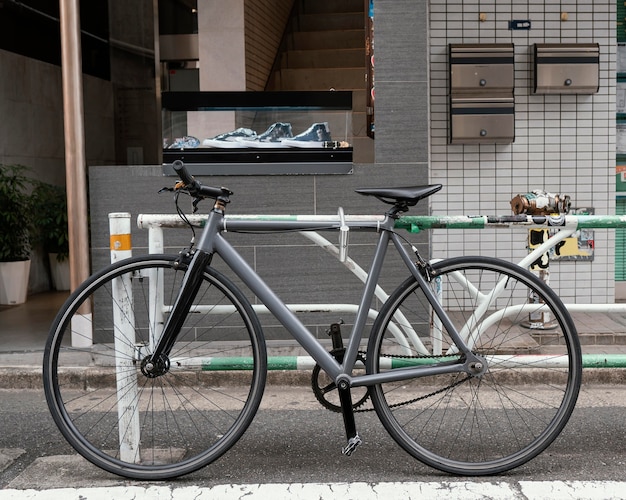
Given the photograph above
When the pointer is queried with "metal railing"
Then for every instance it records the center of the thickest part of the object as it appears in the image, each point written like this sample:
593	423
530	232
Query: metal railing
566	226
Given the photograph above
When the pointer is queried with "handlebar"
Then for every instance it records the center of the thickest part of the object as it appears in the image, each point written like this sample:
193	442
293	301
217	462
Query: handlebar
197	189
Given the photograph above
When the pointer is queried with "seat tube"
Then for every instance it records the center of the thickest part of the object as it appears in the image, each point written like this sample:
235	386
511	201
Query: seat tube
366	300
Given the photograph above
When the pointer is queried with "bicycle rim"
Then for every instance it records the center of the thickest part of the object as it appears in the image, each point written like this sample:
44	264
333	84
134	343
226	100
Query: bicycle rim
484	424
159	427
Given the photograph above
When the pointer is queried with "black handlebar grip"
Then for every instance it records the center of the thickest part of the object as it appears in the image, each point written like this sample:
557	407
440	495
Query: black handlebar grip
183	173
195	187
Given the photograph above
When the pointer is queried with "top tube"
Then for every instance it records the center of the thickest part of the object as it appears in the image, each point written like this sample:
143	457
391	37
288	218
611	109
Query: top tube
260	223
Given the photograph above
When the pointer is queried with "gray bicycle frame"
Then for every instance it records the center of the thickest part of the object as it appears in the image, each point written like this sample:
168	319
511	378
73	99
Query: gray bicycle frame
213	242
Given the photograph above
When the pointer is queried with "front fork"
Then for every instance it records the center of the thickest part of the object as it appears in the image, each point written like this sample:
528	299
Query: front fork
158	362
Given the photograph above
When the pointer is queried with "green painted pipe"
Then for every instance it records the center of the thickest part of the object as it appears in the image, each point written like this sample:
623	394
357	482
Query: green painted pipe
417	223
307	363
604	360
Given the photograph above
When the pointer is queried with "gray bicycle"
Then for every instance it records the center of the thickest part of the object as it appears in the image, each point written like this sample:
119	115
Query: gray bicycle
156	365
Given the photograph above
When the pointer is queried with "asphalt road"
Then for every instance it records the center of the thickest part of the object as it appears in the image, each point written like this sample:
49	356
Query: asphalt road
294	440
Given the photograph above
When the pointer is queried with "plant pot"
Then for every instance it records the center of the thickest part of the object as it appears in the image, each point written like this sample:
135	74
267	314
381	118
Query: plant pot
60	272
14	282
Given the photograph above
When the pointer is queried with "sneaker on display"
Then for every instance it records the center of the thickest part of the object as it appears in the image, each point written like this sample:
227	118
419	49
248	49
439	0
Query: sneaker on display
313	137
230	139
186	142
271	138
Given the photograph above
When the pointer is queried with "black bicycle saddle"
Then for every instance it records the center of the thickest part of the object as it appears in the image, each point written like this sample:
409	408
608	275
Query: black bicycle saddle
401	195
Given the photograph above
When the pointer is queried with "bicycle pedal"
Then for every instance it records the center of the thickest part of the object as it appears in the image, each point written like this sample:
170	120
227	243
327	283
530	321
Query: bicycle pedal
352	445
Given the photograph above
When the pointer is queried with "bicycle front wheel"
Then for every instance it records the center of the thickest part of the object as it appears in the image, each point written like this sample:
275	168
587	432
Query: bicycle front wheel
489	423
130	420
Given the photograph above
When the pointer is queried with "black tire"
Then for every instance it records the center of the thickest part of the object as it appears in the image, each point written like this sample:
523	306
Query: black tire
183	419
491	423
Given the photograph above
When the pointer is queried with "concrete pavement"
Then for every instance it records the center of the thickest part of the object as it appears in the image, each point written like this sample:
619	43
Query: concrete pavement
463	490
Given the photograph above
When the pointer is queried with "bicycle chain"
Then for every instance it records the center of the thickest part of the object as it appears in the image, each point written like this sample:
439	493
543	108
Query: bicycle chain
420	398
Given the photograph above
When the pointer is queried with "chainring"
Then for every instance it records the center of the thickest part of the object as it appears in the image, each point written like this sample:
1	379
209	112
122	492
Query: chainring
324	388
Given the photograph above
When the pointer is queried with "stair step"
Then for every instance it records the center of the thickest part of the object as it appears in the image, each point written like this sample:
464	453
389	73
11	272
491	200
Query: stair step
322	79
326	49
324	58
325	22
317	6
344	39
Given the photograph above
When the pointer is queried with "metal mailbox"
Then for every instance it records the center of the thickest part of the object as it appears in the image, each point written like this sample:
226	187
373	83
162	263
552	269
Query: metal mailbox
567	68
476	119
481	68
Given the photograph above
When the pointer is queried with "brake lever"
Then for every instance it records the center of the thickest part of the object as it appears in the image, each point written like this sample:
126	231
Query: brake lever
196	200
177	187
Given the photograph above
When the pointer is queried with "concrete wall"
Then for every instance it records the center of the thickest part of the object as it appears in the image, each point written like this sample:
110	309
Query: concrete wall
31	95
137	117
299	271
31	128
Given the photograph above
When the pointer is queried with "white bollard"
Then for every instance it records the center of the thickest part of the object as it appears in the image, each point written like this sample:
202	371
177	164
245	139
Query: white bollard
124	334
157	315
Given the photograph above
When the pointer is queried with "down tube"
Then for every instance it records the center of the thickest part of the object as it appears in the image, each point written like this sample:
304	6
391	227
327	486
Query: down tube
276	306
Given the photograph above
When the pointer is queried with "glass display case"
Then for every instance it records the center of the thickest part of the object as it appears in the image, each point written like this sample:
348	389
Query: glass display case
258	133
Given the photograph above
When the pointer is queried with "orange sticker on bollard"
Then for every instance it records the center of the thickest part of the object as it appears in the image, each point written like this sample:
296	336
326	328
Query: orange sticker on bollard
120	242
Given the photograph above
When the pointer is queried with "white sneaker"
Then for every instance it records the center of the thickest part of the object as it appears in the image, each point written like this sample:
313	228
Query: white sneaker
230	139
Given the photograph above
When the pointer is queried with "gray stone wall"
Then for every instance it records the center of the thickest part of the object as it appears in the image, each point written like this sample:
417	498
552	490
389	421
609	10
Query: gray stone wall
295	268
401	53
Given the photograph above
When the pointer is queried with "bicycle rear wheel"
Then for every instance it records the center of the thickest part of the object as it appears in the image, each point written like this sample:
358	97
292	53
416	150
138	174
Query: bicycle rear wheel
487	424
122	417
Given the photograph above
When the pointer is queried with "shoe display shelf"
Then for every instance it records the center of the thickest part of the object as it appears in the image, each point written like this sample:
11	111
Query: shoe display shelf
258	133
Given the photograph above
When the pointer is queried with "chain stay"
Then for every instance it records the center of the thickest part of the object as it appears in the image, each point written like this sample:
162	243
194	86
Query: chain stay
420	398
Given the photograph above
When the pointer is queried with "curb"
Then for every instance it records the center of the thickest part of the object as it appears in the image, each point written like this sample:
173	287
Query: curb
30	377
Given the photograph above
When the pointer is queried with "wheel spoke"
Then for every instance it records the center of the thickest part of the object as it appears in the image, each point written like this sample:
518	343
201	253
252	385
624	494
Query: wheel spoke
490	423
173	418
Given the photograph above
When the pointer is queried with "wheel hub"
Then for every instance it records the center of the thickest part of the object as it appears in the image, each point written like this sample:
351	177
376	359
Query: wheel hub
477	367
153	368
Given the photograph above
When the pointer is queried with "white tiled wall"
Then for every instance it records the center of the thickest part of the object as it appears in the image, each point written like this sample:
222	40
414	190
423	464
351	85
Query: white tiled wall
563	143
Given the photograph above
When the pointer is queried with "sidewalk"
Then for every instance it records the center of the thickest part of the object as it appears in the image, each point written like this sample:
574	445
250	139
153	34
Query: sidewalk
23	332
24	328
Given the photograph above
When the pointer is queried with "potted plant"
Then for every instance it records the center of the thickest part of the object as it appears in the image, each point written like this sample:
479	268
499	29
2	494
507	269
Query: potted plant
15	231
49	204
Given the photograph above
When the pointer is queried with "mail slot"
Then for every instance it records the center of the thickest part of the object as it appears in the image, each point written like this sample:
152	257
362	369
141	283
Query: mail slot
480	120
481	67
567	68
